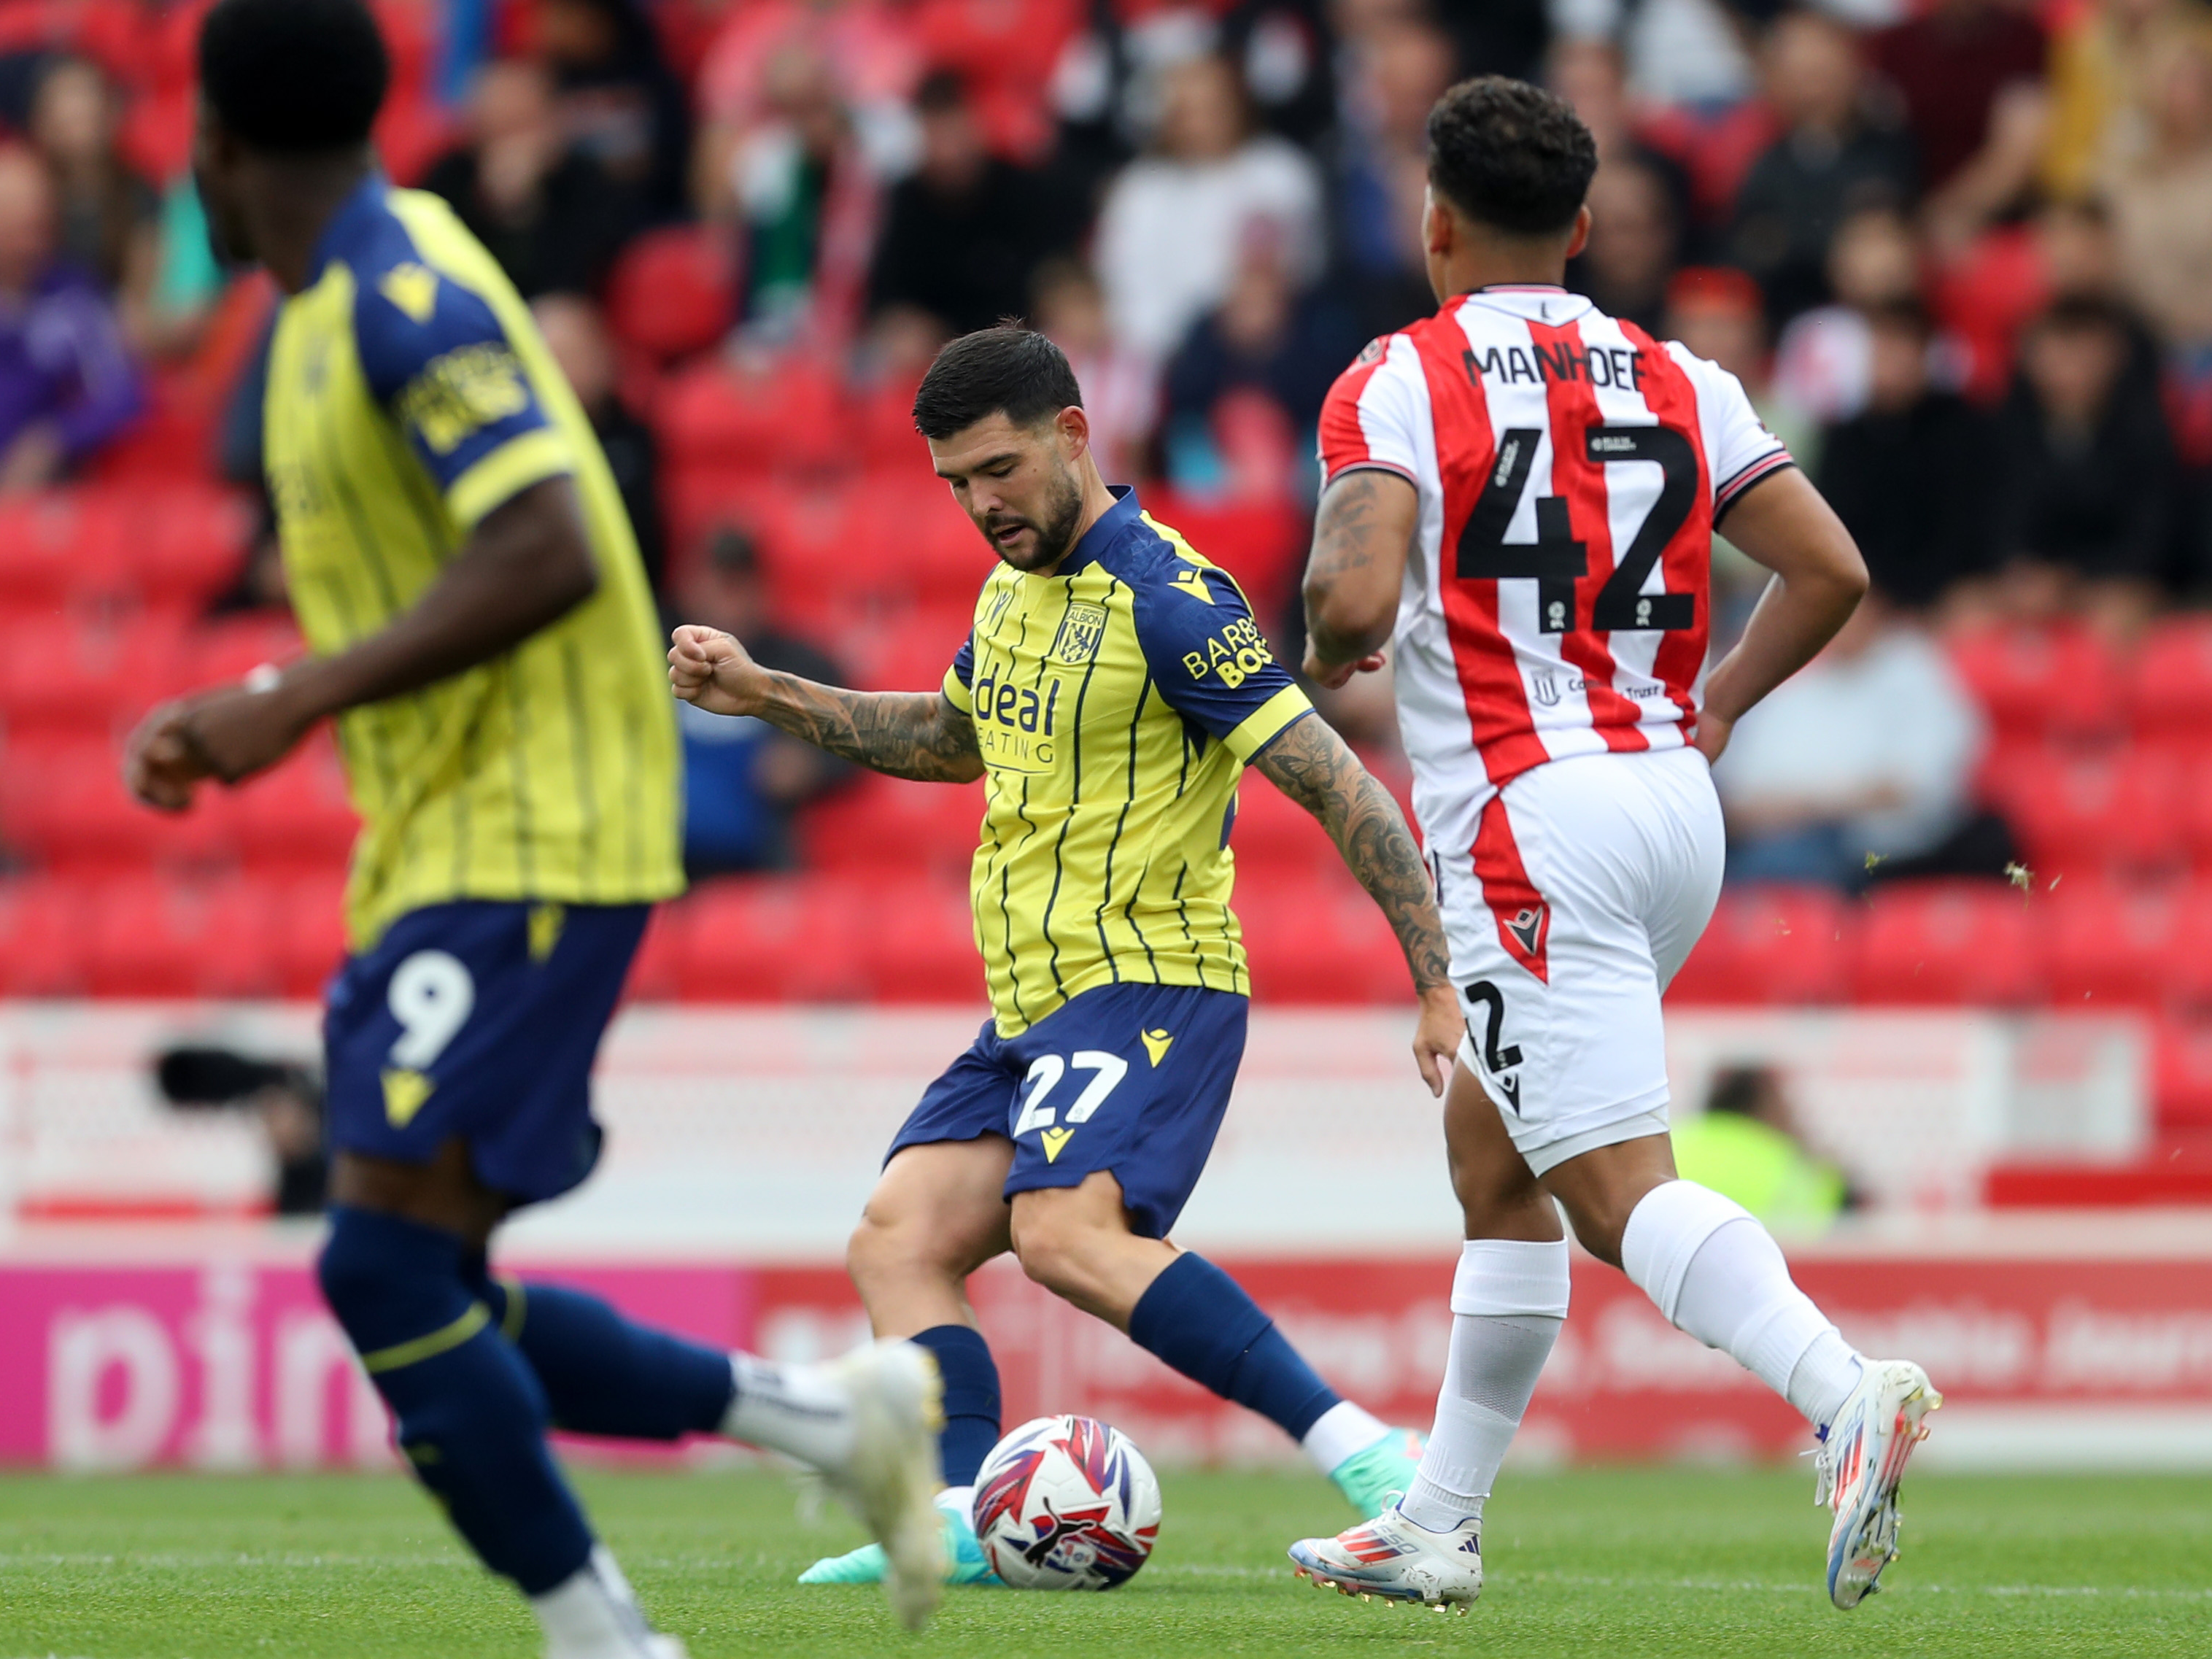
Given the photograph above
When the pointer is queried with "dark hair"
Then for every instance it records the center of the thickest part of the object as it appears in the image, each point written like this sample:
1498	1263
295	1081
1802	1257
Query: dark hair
1010	370
294	76
1742	1089
2082	313
1511	155
731	551
941	92
1905	313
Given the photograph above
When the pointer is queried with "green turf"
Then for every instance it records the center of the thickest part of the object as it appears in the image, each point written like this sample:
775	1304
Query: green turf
1619	1562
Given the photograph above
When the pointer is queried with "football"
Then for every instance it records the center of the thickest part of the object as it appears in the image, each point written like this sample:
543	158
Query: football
1066	1503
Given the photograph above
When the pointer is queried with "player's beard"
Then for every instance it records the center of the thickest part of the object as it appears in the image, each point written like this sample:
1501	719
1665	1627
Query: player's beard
1055	535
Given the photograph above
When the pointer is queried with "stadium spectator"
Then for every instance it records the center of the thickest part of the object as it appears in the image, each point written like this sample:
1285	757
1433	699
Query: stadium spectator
1265	338
108	219
1687	53
619	103
2162	198
742	779
1635	243
1172	223
577	336
868	44
1824	358
1121	389
1830	159
1864	758
552	218
1951	65
1746	1144
1591	75
67	381
2100	76
1377	168
2090	493
1913	474
965	233
805	192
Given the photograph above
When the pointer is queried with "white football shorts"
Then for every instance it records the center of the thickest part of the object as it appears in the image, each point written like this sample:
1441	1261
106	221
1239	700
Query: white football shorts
1591	879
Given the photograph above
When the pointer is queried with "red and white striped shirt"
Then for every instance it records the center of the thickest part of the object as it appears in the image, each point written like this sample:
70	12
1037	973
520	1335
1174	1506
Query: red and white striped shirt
1571	470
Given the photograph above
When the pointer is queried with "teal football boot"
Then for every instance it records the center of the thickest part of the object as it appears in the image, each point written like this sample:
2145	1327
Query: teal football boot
1374	1479
966	1563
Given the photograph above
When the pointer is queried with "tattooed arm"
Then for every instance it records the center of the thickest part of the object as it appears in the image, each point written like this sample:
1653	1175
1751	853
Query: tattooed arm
1310	764
909	734
1361	537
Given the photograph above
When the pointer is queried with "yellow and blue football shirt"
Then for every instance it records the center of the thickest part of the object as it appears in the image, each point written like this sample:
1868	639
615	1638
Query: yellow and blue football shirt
1116	702
409	394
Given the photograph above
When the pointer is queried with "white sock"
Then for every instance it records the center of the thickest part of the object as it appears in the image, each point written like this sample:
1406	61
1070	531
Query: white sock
805	1411
1509	1300
592	1614
1339	1432
1718	1274
958	1500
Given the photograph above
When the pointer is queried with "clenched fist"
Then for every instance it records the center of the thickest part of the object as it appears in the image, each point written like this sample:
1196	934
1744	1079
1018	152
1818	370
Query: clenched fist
708	667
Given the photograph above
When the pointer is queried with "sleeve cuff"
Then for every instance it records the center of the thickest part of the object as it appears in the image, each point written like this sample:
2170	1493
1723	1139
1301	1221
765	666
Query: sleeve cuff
1370	463
506	472
1266	723
957	692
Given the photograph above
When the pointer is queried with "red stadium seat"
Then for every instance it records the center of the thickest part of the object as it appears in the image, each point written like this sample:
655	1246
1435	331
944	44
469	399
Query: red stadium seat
674	291
753	417
1318	938
906	651
42	940
62	801
155	938
296	815
819	563
2109	945
223	653
188	543
308	916
1769	944
2182	1074
2084	814
773	939
60	544
1005	42
411	133
1273	833
918	540
85	676
2172	686
918	943
2060	681
881	418
1943	942
882	823
657	974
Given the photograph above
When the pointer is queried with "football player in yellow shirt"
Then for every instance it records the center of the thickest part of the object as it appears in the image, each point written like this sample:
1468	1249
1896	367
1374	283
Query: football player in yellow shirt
482	632
1111	693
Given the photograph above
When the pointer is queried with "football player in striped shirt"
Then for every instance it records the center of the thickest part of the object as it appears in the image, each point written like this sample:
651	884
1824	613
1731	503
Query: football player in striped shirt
1111	693
480	630
1521	503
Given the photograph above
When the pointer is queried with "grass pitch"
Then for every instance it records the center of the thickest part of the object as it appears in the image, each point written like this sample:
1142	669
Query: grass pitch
1618	1562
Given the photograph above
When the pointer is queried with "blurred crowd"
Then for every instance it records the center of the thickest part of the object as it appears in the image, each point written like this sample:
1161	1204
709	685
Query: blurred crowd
1960	251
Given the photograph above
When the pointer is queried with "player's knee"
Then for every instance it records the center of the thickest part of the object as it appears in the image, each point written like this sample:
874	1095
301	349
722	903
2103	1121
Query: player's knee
885	1248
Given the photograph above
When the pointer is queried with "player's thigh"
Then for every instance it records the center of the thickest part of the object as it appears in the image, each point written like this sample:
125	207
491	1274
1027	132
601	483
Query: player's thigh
479	1021
938	1207
1132	1080
1499	1197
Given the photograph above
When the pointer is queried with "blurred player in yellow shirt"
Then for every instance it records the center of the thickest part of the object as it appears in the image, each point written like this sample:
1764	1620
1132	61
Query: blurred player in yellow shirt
483	634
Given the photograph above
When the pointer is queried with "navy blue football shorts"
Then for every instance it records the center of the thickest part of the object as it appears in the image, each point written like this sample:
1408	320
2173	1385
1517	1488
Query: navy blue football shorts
479	1019
1128	1079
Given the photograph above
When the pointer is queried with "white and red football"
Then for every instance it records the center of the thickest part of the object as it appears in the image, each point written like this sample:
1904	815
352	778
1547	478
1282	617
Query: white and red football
1066	1503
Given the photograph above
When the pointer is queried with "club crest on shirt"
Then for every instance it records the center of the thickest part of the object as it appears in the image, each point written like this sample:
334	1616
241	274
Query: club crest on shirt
1081	631
1373	351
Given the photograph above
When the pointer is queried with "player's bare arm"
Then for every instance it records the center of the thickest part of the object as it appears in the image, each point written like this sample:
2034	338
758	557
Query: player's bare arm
1361	535
1312	764
1784	524
906	734
527	564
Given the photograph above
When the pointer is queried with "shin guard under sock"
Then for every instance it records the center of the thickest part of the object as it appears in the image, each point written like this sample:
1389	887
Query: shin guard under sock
971	1399
471	1414
1199	1320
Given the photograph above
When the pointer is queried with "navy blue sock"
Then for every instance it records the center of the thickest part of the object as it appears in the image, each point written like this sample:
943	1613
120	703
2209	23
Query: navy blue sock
603	1374
971	1399
1199	1320
471	1414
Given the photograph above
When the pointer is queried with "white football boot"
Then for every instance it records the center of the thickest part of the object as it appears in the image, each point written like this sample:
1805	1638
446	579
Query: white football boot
1859	1466
891	1474
1393	1559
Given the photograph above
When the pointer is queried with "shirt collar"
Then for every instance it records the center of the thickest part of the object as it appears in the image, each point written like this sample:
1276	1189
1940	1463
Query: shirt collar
1111	523
1543	302
345	228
